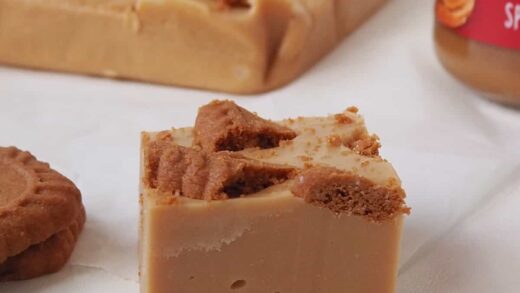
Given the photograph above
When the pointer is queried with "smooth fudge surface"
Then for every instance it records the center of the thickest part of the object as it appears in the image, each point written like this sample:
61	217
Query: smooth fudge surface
233	46
315	211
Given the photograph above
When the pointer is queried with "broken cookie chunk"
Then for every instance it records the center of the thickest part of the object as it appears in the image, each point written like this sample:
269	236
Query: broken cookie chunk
232	175
223	125
346	192
199	175
364	144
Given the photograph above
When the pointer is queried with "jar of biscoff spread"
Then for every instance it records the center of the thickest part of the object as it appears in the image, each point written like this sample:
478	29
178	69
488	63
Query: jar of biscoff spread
478	41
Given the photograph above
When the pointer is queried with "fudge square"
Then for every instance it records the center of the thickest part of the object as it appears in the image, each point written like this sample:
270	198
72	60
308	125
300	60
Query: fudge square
242	204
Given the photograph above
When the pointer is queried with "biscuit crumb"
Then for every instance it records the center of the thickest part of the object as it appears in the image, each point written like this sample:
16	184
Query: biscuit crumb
363	144
343	119
352	109
334	140
367	145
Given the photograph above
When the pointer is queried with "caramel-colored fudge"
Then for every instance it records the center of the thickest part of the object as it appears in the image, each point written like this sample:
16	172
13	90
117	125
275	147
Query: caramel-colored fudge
234	46
243	204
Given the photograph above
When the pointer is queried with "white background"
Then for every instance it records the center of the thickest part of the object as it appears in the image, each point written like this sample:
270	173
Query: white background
458	155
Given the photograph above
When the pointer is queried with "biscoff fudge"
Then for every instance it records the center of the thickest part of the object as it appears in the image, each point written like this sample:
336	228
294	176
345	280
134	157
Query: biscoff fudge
242	204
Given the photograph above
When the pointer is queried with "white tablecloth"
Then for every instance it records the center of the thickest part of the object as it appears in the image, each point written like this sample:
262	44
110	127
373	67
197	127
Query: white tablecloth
457	154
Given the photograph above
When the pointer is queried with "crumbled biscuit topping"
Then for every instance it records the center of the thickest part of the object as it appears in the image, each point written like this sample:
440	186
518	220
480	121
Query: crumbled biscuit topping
365	144
343	119
211	176
223	125
345	192
334	140
211	170
352	109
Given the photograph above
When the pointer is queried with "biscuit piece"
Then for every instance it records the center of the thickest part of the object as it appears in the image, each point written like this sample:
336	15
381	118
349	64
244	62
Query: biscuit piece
36	203
212	176
346	192
43	258
224	126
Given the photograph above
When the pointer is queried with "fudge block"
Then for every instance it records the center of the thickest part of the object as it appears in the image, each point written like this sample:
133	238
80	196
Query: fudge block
314	211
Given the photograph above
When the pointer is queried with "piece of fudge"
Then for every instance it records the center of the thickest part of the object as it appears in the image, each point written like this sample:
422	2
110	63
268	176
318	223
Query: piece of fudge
242	204
225	45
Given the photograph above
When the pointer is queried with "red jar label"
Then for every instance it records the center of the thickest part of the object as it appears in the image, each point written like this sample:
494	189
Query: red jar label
495	22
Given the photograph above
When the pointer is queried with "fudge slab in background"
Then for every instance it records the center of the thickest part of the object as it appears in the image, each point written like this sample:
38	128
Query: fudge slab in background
193	43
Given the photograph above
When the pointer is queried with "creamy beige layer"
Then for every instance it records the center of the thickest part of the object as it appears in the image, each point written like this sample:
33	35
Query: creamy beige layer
272	242
180	42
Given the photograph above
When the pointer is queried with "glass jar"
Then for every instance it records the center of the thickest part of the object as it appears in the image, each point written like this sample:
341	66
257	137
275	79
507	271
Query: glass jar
478	41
